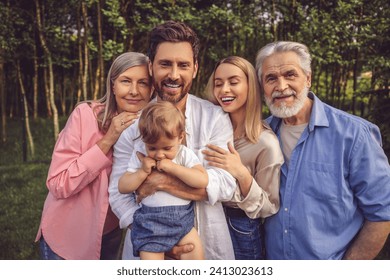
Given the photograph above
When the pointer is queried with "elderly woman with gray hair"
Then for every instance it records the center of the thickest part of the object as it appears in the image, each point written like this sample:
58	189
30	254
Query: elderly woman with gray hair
77	221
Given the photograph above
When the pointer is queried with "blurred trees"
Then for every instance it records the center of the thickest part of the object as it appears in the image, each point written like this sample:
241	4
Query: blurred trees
65	47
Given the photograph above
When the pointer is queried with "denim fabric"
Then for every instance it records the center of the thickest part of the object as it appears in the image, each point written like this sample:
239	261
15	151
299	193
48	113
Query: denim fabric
246	235
45	252
110	247
158	229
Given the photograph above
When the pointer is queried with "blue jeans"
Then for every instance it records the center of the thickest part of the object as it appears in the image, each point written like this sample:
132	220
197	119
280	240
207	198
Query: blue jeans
45	252
246	235
110	247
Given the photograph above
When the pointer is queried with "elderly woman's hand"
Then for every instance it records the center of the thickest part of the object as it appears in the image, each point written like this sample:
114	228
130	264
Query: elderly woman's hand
118	124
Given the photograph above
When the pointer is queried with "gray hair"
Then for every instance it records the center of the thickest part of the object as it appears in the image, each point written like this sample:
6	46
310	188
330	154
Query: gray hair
120	65
284	46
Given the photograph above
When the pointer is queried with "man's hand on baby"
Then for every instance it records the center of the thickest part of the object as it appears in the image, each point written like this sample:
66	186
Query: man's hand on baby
149	186
179	250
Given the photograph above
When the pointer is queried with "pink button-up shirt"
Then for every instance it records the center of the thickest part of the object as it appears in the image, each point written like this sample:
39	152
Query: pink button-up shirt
76	207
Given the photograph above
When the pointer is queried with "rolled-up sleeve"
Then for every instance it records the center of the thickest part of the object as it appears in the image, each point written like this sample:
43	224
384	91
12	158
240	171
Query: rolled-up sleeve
370	175
266	159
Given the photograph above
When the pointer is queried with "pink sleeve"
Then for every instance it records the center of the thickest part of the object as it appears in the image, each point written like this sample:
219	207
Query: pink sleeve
76	160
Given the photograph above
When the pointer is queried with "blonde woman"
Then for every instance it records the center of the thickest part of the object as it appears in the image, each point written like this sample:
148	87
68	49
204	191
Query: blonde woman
254	160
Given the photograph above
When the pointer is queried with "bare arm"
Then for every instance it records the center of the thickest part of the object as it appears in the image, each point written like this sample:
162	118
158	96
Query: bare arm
130	181
369	241
159	181
195	177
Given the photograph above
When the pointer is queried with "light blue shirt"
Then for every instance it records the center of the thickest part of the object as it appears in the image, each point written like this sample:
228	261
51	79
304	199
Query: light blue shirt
338	176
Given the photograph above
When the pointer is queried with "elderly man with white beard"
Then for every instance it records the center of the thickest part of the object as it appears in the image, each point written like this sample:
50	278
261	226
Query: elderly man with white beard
335	182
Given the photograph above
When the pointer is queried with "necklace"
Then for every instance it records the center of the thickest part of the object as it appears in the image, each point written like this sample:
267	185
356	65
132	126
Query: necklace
238	137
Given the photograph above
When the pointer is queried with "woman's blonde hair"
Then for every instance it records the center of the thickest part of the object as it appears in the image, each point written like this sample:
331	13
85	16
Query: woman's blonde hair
160	119
253	105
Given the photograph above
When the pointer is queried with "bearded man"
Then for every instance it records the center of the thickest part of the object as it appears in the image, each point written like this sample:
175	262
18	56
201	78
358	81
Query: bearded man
335	182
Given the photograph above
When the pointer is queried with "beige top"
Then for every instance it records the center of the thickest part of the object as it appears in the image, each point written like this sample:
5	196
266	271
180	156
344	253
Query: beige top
264	160
289	136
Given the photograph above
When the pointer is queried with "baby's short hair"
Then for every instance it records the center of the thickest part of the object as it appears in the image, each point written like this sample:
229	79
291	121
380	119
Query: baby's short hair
159	119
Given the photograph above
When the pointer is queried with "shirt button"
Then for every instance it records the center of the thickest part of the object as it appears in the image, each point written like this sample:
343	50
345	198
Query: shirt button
285	231
286	209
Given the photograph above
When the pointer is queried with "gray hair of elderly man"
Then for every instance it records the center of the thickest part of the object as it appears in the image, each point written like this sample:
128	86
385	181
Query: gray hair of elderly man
283	46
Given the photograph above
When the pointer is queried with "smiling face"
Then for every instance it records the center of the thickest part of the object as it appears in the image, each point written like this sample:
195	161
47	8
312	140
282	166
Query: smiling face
230	88
132	89
164	148
285	85
172	71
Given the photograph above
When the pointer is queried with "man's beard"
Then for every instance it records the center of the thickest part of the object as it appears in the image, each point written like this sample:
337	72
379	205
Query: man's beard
283	111
168	97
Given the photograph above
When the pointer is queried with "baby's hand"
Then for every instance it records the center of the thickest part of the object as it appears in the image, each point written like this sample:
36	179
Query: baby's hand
165	165
147	163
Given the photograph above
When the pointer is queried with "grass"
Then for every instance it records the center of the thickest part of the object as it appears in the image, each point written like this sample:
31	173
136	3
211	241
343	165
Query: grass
23	191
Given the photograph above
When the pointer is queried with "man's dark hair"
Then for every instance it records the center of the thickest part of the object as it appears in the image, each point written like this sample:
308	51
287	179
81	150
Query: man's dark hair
175	32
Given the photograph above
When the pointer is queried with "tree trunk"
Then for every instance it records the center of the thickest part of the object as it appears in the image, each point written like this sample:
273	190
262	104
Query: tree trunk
51	74
99	82
85	41
80	51
71	91
47	94
318	78
62	92
334	76
3	100
345	84
355	81
327	82
200	73
273	21
35	83
25	110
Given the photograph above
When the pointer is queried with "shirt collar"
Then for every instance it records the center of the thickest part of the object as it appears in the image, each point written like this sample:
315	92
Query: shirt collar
318	116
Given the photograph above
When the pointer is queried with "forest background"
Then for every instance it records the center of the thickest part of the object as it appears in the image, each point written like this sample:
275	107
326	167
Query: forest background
55	53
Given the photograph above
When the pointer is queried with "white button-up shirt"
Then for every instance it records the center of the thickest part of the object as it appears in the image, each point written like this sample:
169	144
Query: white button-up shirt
205	124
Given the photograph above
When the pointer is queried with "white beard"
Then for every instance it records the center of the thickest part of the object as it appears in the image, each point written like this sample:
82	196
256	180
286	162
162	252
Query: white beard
283	111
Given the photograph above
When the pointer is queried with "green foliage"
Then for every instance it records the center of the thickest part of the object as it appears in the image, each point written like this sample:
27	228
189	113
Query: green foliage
112	49
348	41
114	17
